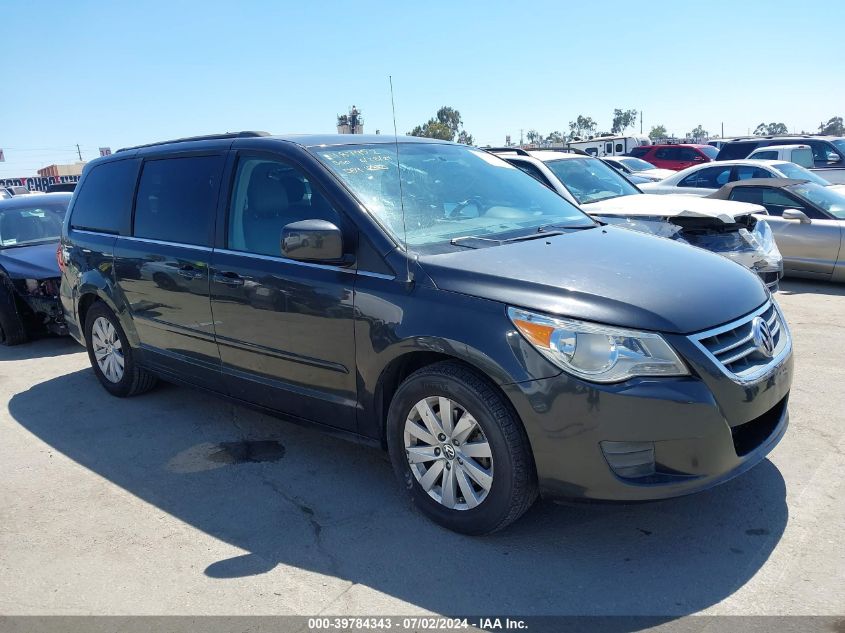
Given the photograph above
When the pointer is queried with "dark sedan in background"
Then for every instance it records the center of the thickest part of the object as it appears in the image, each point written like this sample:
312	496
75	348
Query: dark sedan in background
30	227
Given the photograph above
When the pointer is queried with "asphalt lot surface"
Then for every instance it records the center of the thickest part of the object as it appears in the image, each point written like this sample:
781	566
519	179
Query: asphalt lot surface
149	505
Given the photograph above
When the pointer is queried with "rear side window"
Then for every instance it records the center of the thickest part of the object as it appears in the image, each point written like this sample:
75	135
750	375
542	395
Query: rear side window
639	152
104	202
753	195
177	199
668	153
744	172
734	151
768	154
708	178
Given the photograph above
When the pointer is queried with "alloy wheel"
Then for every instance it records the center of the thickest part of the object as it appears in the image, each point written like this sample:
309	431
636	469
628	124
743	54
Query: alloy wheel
108	349
448	453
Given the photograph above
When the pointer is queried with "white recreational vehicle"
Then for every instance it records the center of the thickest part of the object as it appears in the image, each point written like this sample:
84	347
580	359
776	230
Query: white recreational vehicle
610	145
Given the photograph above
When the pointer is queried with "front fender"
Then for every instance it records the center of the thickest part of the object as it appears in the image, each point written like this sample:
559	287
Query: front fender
394	322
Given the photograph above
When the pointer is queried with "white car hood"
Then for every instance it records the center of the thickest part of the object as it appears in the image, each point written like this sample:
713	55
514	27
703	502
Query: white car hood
672	206
656	173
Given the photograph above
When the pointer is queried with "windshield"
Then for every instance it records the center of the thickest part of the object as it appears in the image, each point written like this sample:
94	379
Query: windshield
840	144
791	170
709	151
635	164
590	180
448	191
31	225
828	199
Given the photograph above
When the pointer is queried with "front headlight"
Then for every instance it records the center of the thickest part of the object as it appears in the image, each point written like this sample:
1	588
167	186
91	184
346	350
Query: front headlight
595	352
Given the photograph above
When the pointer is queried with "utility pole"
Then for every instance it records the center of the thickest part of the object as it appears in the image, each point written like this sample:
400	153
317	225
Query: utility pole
520	137
723	129
79	152
641	121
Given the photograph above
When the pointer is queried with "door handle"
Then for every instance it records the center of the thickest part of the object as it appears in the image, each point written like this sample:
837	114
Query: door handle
229	278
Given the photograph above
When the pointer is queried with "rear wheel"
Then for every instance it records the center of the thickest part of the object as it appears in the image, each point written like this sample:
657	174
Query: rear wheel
12	330
459	449
111	355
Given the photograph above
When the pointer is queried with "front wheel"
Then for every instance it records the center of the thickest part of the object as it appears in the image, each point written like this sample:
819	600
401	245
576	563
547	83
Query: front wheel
111	356
12	329
459	449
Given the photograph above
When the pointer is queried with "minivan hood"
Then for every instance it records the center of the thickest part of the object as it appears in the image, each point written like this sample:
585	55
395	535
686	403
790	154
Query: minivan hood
671	206
30	262
606	275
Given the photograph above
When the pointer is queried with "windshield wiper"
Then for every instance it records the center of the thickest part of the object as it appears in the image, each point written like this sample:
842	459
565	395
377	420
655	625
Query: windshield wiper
472	241
567	227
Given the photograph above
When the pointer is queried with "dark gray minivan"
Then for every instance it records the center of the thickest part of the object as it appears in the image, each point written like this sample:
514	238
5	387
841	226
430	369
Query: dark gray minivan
432	299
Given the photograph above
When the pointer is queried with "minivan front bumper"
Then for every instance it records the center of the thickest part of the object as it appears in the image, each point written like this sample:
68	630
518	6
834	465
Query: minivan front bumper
652	438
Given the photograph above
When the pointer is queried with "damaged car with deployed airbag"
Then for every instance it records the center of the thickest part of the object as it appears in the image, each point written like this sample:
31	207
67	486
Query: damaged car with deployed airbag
731	230
30	228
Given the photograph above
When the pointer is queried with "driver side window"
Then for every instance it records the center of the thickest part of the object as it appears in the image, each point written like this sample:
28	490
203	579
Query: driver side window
269	194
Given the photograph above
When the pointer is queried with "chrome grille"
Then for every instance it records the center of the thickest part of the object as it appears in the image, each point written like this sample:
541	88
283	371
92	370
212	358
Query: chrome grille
734	350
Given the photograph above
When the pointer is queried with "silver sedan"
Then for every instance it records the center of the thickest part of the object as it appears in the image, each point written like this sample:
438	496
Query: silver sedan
808	222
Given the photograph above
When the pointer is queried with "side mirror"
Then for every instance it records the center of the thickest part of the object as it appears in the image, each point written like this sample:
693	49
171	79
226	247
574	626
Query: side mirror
313	241
795	214
832	157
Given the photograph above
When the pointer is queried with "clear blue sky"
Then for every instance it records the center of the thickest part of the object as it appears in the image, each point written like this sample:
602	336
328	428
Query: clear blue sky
118	73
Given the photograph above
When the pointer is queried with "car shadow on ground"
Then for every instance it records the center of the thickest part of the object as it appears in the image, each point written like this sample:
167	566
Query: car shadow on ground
333	507
40	347
795	286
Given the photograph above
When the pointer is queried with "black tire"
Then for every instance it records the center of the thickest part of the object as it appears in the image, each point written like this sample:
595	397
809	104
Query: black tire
12	329
514	487
136	380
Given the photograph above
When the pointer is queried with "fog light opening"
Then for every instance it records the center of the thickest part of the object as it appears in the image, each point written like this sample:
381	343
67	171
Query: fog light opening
630	460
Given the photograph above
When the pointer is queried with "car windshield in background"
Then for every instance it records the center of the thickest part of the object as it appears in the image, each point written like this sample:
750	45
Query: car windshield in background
830	200
447	191
840	144
31	225
590	180
635	164
709	151
791	170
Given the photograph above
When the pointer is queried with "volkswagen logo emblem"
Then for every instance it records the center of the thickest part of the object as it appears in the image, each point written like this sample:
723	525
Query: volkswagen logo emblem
762	337
449	451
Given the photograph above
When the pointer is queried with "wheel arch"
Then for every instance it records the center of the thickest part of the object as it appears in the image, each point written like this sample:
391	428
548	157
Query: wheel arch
410	361
98	289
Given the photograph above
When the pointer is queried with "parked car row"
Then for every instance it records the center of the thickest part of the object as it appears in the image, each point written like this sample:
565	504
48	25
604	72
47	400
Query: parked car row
805	212
732	230
828	152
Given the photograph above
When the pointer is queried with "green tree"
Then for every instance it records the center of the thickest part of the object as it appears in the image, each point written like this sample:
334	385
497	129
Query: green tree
533	136
445	125
582	126
658	131
698	132
465	138
555	137
769	129
834	127
622	120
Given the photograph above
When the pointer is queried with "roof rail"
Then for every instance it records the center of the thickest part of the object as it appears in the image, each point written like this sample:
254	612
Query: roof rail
565	150
516	150
207	137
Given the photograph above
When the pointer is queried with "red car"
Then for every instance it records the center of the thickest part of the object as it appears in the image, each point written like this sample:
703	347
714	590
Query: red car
676	156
